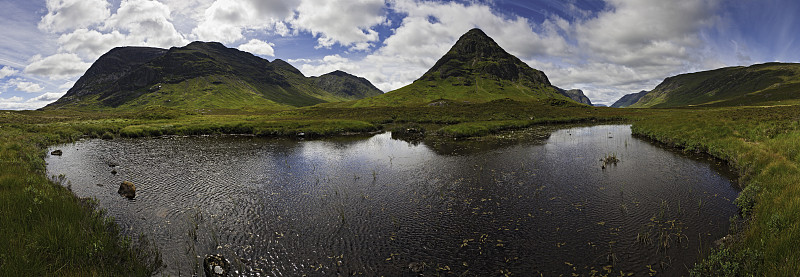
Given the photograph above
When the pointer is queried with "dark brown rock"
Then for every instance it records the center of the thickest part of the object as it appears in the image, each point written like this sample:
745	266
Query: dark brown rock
127	189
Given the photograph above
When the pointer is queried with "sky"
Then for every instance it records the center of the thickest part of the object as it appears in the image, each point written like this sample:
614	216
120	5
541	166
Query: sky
607	48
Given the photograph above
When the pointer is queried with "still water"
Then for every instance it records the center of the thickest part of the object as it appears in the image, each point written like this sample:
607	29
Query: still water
380	206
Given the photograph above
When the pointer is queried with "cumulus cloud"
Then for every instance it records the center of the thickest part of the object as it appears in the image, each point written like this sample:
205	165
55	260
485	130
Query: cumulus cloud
48	97
65	15
225	20
258	47
324	18
26	86
58	66
7	71
147	22
429	29
91	44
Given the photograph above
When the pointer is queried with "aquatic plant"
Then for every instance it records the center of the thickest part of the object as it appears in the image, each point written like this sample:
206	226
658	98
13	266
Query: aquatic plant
609	159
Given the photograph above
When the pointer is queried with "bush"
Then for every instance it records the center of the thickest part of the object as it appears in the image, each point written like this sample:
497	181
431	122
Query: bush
107	135
747	199
726	262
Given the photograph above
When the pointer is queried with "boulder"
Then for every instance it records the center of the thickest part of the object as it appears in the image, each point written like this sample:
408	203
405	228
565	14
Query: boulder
216	265
56	152
127	189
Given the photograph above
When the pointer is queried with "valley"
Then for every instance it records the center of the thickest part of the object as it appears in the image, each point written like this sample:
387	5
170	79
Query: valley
747	117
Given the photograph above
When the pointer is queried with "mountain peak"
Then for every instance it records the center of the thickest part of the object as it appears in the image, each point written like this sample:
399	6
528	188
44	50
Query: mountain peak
475	53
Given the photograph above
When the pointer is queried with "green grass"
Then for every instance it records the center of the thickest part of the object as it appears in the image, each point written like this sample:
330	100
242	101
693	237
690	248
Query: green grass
47	231
763	143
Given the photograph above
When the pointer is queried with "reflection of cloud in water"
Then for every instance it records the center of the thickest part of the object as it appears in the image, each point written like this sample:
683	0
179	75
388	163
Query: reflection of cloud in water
376	205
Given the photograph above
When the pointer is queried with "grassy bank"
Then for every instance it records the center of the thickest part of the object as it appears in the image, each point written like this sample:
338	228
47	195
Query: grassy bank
763	143
47	231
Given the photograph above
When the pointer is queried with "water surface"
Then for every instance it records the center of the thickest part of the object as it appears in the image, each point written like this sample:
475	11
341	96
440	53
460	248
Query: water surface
379	206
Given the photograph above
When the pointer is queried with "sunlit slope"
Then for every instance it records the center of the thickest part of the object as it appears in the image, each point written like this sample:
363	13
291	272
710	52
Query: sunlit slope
761	84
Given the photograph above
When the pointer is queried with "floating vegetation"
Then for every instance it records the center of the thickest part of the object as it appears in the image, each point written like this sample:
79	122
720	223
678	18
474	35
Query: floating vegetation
610	159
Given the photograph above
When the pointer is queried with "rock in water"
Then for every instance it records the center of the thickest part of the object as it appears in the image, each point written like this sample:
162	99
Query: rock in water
56	152
216	265
127	189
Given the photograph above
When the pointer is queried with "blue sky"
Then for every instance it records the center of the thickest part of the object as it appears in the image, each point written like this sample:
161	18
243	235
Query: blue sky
608	48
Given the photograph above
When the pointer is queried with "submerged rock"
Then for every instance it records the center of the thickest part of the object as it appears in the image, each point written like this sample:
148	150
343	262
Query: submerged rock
56	152
127	189
216	265
416	267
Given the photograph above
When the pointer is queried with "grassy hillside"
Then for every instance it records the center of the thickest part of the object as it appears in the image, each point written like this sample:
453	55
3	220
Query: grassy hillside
761	84
629	99
477	88
475	70
202	76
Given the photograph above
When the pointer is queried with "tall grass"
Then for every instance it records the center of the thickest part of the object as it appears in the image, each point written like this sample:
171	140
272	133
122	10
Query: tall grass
47	231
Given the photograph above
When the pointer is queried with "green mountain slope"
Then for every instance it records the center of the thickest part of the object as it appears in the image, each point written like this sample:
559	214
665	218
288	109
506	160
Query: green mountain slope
732	86
628	99
475	69
345	85
202	75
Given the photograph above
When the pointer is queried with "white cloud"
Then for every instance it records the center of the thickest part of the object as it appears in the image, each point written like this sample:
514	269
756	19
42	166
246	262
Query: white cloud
91	44
346	22
46	97
64	15
225	20
58	66
429	30
26	86
258	47
11	99
7	71
147	22
67	85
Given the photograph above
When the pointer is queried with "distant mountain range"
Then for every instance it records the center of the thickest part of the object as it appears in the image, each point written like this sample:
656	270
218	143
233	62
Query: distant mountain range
204	75
761	84
476	69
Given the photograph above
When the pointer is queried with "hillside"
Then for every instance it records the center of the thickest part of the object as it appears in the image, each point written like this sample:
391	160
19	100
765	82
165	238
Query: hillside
346	85
476	69
629	99
577	96
203	75
732	86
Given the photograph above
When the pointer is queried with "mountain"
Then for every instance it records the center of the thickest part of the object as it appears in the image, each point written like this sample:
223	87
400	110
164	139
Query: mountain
577	95
760	84
628	99
345	85
476	69
203	75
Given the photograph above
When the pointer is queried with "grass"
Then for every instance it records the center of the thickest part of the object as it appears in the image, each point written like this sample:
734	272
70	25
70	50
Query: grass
763	143
48	231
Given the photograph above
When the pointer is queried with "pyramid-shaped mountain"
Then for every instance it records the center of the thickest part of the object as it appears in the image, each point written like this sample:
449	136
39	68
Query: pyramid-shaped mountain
476	69
203	75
